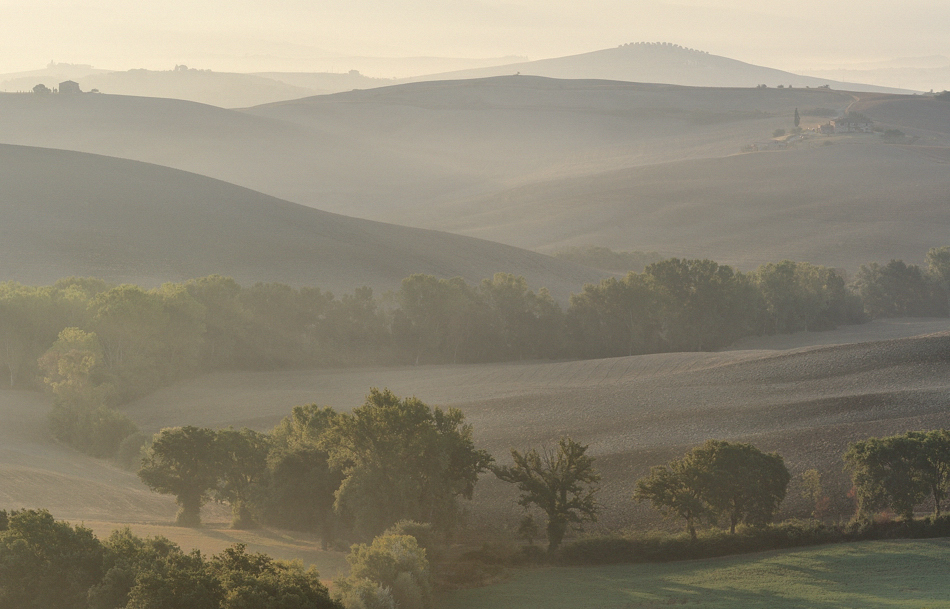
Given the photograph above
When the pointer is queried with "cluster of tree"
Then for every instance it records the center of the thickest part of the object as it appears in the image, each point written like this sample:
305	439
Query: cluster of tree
695	305
390	459
905	290
716	480
95	346
900	472
47	563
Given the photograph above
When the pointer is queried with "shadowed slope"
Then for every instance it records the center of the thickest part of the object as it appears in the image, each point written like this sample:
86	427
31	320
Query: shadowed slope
843	205
396	153
67	213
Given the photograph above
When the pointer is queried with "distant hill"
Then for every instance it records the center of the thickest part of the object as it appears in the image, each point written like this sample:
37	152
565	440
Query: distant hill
545	163
67	213
659	63
841	205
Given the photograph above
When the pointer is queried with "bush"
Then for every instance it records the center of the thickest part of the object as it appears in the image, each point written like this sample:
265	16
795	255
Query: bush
392	568
661	547
96	431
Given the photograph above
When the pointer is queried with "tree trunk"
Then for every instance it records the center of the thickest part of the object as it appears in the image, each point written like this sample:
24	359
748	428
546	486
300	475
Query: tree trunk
556	530
189	512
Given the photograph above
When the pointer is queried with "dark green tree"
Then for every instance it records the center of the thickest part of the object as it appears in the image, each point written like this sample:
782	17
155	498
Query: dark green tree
677	491
899	472
900	290
715	479
561	482
798	119
301	485
242	463
743	483
402	460
45	563
183	461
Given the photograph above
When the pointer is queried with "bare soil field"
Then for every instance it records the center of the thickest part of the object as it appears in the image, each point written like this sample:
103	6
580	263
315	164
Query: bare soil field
805	396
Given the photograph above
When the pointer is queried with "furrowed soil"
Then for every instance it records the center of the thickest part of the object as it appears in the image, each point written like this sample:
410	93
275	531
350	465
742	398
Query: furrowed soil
805	396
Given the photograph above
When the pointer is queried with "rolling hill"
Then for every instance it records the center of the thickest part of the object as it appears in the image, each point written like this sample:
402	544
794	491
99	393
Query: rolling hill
542	163
843	205
659	63
67	213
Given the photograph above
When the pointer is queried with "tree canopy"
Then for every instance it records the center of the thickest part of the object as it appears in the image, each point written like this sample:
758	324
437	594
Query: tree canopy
718	479
561	482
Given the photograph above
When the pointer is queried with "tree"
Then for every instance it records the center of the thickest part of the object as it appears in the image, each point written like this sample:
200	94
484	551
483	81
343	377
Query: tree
176	580
183	461
561	482
900	290
28	326
883	471
402	460
743	483
933	464
45	563
704	305
938	265
301	485
392	568
899	472
242	463
716	479
798	119
676	490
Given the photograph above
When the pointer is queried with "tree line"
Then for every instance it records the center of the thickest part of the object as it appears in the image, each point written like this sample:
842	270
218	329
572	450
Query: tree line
95	346
395	460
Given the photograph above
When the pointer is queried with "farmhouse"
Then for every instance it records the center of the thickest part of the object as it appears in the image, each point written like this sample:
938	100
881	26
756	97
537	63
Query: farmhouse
69	87
853	125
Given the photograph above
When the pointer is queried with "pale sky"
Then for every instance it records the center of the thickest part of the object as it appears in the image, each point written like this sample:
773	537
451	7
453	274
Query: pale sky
244	35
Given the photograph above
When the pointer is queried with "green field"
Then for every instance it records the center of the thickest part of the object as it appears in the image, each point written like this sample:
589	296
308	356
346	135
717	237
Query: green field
871	574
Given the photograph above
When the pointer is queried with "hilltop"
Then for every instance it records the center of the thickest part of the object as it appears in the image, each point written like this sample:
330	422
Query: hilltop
660	62
67	213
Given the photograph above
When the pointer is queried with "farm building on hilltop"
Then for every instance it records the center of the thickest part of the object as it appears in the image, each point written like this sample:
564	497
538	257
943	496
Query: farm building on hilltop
69	87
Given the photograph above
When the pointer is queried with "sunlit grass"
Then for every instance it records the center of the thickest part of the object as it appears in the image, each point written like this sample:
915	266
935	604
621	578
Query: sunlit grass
889	574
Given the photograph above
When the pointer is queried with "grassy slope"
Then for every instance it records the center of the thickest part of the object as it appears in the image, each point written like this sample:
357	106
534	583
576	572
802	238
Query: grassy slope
133	222
889	574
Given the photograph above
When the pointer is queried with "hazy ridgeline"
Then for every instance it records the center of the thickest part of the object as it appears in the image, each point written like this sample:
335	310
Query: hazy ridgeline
95	346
